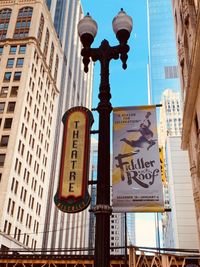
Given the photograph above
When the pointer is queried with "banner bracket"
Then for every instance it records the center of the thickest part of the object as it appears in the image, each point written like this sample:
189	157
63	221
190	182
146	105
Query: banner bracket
94	132
92	182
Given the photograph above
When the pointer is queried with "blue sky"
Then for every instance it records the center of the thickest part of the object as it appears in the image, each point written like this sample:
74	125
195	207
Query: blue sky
128	87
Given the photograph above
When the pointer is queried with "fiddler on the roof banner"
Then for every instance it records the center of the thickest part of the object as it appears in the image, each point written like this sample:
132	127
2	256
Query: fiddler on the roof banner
136	182
72	195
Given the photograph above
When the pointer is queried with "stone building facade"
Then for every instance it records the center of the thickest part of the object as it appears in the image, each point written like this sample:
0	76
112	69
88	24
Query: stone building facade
41	76
187	27
30	64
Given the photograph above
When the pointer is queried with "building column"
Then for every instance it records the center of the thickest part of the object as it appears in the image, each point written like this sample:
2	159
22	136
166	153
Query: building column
196	194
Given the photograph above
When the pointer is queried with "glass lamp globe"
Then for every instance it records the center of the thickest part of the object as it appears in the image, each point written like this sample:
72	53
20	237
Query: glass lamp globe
122	26
87	30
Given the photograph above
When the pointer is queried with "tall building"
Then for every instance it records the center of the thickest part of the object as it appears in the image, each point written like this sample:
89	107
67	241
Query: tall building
67	230
41	77
187	25
163	66
117	233
131	229
163	75
30	61
170	115
180	225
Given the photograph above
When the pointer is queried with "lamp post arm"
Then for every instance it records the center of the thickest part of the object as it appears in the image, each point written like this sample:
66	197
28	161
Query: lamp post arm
105	52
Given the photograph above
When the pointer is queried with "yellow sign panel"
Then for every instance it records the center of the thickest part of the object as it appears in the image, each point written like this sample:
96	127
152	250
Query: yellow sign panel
74	158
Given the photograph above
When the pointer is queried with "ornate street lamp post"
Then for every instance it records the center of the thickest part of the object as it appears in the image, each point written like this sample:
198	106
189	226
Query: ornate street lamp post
87	29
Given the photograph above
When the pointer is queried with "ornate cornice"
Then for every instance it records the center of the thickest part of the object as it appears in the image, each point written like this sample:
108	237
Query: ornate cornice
13	2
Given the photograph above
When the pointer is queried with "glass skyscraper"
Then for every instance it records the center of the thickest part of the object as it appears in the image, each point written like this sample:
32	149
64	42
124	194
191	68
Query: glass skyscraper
163	69
163	65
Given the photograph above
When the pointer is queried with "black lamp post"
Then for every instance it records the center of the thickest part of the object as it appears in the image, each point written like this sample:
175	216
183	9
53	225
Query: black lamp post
87	29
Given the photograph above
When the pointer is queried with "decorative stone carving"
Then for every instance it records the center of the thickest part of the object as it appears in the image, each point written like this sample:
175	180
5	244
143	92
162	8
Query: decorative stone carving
193	169
185	12
181	52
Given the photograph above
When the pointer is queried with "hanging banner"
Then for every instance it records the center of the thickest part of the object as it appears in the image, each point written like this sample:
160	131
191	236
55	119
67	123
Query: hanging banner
72	195
137	183
162	165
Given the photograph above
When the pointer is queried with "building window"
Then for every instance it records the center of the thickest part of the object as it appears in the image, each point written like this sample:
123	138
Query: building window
4	91
1	50
11	207
20	62
16	187
23	22
27	240
10	63
8	123
17	76
46	44
13	49
19	235
7	76
22	215
15	233
40	30
2	159
18	213
22	49
171	72
56	68
4	140
5	226
2	106
4	21
14	91
11	107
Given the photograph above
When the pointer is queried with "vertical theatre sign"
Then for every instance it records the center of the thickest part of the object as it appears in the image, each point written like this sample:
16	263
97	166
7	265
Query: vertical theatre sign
72	195
137	183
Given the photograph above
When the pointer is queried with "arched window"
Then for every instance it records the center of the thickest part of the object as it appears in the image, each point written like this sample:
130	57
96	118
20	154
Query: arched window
23	22
46	43
40	30
56	68
4	21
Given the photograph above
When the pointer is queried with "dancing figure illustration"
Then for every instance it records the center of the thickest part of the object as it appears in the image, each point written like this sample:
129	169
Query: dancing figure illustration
146	135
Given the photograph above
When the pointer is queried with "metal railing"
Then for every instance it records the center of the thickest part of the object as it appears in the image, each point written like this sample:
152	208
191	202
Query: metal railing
137	257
